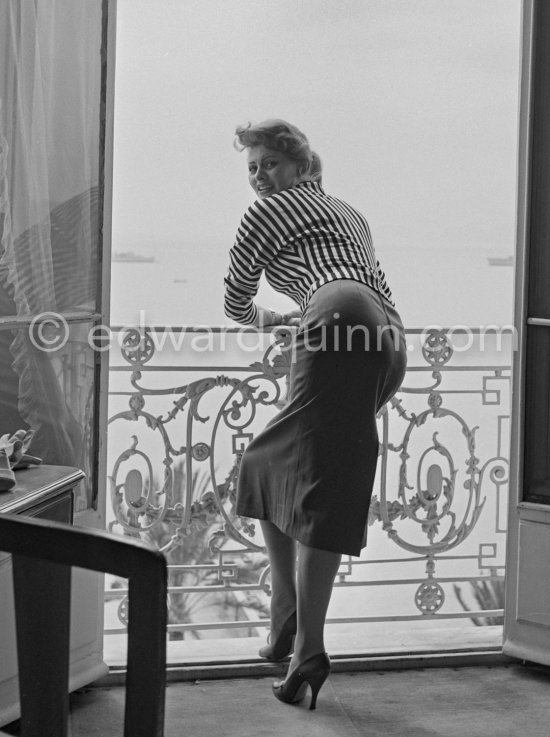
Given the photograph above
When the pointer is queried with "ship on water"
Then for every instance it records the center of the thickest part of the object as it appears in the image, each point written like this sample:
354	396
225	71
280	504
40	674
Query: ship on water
131	257
501	260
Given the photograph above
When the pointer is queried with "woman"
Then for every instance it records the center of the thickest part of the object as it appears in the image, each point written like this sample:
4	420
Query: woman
308	476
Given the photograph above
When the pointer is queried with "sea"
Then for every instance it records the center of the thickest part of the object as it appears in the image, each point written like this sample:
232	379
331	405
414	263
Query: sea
431	285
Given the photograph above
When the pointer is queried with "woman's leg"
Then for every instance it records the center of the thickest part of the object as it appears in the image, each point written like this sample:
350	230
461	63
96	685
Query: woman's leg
316	572
282	557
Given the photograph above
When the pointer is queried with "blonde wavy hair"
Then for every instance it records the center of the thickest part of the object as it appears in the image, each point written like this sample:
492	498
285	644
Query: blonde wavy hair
280	136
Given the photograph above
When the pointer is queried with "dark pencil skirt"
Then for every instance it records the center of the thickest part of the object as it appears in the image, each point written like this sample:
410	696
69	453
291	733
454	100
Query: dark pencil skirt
311	470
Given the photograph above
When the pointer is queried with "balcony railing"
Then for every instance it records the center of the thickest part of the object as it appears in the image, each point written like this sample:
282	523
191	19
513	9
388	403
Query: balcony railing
185	402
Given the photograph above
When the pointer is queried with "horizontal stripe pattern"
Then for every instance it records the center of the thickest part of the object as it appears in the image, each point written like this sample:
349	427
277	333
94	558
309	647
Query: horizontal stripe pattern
301	238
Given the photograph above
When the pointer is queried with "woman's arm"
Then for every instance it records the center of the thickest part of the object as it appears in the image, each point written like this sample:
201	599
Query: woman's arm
261	235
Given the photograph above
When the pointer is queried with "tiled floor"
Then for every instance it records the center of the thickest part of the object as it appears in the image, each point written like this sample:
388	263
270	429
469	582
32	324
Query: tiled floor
498	701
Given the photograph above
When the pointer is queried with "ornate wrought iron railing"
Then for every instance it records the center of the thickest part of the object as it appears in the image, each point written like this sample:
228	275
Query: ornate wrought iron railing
184	403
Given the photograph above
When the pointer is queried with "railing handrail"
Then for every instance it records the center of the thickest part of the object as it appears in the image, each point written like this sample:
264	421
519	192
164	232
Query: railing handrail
454	329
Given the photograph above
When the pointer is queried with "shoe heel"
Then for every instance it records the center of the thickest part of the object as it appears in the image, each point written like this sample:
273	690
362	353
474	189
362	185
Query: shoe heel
315	685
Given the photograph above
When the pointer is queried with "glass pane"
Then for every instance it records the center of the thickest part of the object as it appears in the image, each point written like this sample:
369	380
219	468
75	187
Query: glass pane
47	376
49	155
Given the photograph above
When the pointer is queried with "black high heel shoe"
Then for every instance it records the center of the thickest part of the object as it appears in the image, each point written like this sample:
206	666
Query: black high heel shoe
314	671
282	646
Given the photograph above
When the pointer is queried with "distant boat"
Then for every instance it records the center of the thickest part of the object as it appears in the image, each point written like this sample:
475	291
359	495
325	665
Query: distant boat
131	257
501	260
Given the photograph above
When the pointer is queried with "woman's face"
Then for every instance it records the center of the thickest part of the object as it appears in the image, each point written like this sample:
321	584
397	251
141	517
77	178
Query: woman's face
270	171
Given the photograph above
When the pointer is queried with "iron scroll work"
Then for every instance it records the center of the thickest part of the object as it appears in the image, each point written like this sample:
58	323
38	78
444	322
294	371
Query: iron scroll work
432	481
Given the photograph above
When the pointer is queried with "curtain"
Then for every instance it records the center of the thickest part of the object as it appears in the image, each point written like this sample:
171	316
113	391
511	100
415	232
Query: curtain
50	154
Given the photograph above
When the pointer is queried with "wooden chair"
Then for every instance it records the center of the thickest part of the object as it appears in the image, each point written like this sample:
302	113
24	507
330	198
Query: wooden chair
43	553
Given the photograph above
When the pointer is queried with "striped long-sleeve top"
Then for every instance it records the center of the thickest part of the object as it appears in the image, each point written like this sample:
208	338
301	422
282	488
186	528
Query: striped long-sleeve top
301	238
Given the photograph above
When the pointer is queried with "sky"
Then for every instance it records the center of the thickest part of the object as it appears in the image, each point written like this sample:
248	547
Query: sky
412	105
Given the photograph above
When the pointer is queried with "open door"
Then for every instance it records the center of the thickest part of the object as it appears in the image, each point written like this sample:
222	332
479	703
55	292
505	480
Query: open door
56	121
527	615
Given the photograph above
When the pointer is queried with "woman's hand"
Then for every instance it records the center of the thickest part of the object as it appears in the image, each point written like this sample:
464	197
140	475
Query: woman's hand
292	318
266	317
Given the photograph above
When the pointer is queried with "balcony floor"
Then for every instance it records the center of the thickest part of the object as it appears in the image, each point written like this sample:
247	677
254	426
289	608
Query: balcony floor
477	701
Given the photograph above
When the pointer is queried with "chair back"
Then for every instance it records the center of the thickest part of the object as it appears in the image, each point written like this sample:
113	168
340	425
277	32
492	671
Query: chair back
43	553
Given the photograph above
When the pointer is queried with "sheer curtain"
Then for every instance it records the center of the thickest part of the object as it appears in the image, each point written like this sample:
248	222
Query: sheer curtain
50	158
